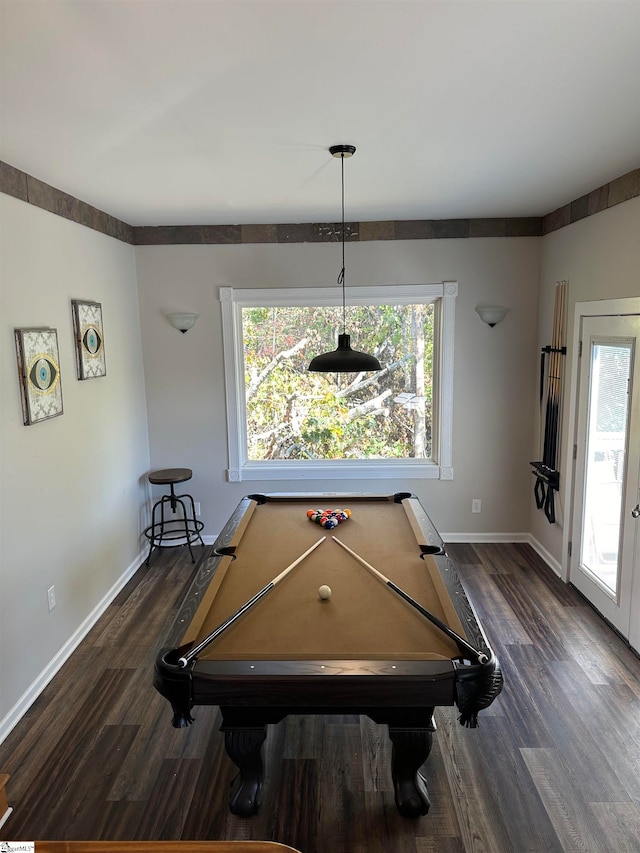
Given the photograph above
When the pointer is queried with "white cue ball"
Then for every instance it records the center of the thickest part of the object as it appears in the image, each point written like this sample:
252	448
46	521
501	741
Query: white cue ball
324	592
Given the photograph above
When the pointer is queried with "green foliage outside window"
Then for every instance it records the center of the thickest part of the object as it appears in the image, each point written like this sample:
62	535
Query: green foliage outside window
294	414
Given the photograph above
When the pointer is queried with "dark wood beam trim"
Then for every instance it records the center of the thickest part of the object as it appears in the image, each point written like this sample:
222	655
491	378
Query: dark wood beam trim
164	235
13	182
615	192
27	188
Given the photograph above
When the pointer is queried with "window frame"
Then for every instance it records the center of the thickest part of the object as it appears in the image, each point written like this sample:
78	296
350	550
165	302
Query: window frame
439	467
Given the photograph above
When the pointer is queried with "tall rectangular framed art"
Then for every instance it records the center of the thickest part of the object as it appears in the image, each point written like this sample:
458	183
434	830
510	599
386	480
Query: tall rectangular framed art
89	339
39	374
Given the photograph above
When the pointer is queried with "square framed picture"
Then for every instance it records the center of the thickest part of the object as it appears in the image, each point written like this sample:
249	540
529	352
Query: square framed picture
89	339
39	374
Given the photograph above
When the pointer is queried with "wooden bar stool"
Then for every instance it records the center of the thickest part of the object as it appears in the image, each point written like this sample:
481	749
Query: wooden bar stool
170	532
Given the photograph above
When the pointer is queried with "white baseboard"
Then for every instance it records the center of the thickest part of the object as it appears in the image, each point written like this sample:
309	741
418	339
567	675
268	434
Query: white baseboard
482	538
551	561
5	817
8	723
485	537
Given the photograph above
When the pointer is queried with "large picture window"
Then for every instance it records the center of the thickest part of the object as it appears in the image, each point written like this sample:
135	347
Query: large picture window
285	422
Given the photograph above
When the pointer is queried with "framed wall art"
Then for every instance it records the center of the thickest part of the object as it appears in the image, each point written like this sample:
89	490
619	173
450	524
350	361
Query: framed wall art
89	339
39	374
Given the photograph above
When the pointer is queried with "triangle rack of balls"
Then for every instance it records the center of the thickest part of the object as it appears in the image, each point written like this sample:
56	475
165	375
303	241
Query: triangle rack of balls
328	518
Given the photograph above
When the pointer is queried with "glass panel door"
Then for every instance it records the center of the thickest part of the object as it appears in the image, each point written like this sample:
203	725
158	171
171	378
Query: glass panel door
607	469
607	424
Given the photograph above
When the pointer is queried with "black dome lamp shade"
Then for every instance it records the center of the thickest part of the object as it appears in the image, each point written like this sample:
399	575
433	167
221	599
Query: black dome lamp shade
343	359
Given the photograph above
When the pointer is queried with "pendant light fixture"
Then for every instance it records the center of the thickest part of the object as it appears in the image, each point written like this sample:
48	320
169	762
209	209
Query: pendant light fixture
343	359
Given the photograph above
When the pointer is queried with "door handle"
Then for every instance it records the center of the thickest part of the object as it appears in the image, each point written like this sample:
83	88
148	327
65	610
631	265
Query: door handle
635	512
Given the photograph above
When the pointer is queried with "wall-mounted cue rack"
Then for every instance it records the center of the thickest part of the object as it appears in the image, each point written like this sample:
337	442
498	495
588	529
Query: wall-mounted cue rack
546	473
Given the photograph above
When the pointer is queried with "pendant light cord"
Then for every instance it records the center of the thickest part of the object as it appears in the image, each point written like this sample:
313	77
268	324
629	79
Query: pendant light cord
343	359
342	271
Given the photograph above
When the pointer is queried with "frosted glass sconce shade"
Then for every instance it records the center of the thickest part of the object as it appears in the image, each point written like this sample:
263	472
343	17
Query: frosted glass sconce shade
182	321
491	314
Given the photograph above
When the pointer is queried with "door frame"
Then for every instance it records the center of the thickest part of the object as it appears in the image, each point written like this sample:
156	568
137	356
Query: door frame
599	307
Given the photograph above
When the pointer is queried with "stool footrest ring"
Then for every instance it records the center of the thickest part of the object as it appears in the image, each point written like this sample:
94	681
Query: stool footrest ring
174	529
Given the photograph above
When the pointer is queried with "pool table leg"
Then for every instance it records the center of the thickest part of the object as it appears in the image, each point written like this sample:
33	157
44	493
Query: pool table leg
244	748
411	748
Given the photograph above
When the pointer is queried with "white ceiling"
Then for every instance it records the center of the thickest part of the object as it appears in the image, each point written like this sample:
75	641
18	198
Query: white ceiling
222	111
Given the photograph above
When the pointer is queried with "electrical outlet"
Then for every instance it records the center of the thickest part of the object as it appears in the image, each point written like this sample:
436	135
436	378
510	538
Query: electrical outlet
476	505
197	506
51	596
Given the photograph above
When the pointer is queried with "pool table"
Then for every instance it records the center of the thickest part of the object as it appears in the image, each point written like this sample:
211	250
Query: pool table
364	650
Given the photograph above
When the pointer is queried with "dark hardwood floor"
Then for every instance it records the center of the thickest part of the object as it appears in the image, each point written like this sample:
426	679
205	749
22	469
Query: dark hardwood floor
554	765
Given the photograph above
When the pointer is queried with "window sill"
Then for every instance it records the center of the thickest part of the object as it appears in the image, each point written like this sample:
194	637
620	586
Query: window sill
372	469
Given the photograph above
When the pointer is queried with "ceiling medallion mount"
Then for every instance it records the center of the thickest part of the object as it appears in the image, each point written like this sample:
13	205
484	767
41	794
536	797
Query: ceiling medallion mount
342	150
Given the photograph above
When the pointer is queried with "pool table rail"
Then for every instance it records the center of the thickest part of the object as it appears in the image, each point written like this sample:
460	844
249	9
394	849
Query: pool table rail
464	608
427	537
326	684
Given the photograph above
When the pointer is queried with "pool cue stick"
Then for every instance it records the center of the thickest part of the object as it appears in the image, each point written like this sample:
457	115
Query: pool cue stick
554	369
555	376
481	657
541	484
543	487
561	353
553	379
553	391
185	659
546	453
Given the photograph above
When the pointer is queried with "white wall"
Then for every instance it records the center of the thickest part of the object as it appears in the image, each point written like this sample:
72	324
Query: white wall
599	257
72	488
494	368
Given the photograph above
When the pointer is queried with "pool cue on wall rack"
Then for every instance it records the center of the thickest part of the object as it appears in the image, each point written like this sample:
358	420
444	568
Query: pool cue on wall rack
185	659
481	657
545	471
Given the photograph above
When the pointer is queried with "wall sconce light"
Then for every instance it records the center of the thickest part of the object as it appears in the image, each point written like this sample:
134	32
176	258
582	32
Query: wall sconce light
491	314
182	321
